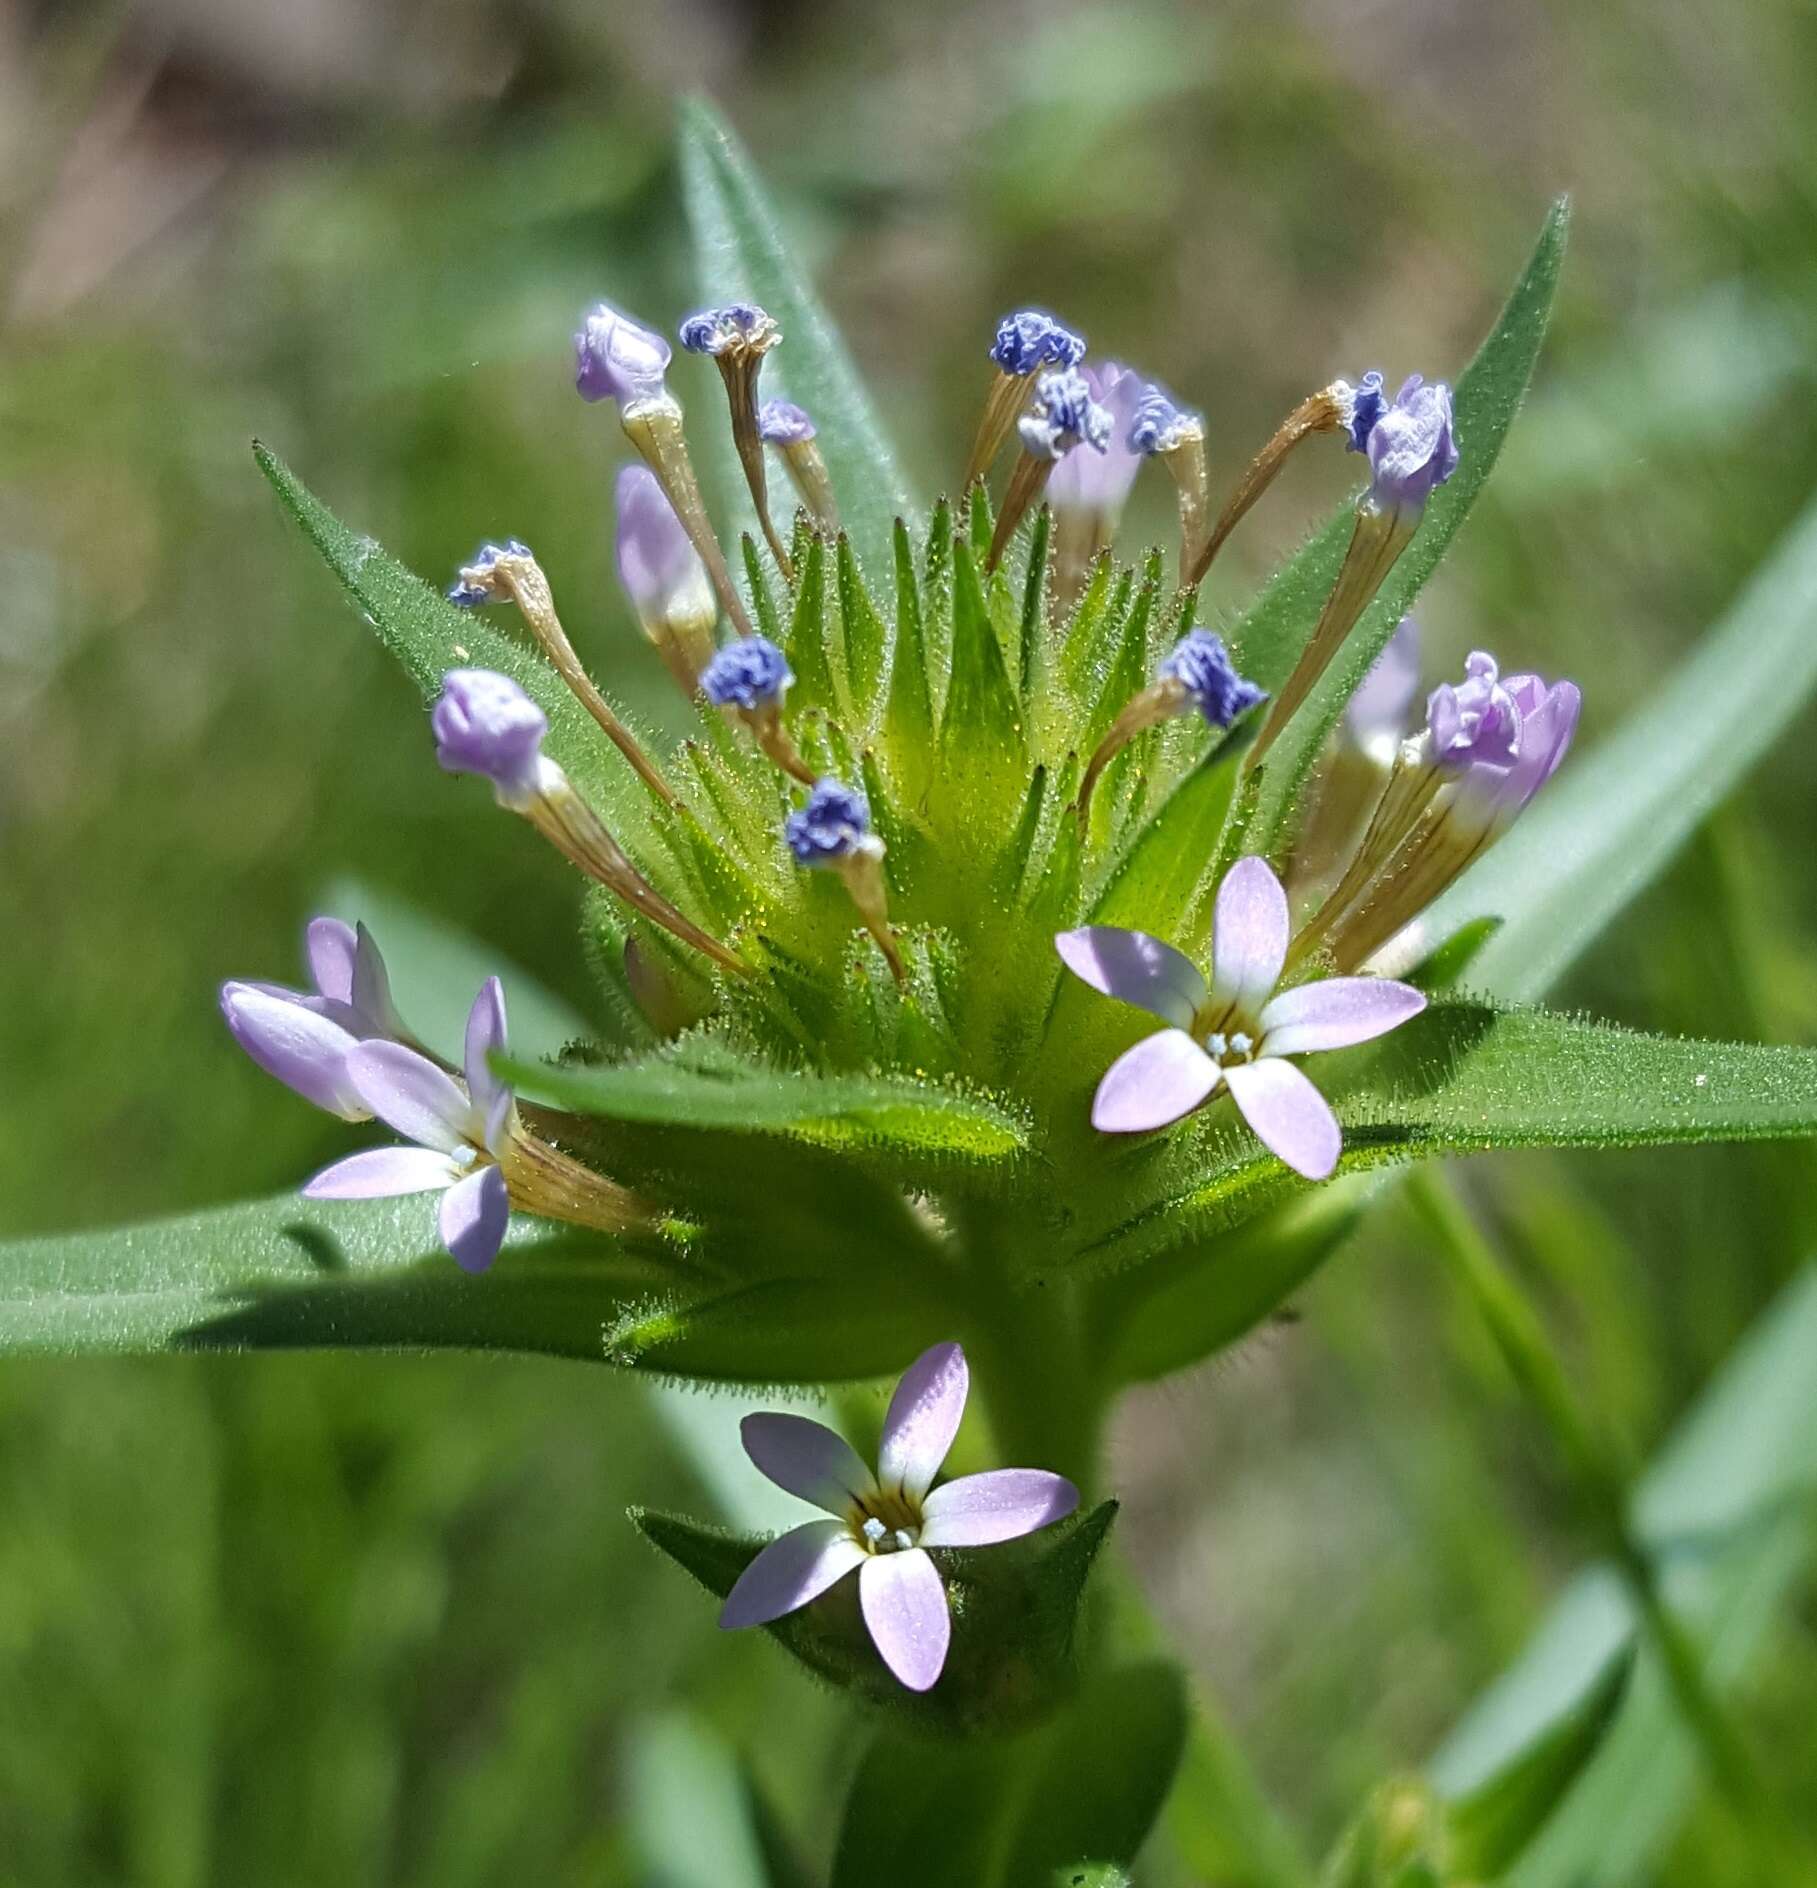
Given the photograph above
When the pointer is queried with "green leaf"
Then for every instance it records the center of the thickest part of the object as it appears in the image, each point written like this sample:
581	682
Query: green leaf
866	639
1070	1802
429	636
806	647
689	1807
1270	636
784	1330
1725	1514
1604	829
704	1085
1466	1078
290	1274
741	255
1490	1825
1015	1612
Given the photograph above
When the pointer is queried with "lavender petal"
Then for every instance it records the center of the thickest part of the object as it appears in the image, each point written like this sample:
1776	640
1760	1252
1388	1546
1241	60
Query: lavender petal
410	1094
1163	1077
1249	935
383	1173
474	1214
796	1567
1134	968
905	1612
1335	1013
922	1420
808	1459
1290	1117
1001	1505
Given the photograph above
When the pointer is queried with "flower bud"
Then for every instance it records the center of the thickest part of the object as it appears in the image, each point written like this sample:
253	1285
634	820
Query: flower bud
485	724
617	359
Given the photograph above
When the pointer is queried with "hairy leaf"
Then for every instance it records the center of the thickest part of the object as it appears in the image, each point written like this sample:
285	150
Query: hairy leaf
741	255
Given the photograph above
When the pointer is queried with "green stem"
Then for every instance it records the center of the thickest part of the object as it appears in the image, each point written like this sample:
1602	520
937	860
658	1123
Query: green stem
1602	1486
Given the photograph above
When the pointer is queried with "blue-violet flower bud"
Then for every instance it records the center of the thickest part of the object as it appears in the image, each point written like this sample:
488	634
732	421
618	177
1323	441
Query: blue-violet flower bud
1030	339
737	325
485	724
1065	415
749	673
1476	723
1201	665
783	423
833	825
1360	407
1159	426
1411	447
615	358
478	583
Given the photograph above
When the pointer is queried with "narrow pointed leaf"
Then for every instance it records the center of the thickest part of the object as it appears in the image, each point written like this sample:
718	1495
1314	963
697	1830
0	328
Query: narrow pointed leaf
707	1088
981	707
866	639
806	647
290	1274
1605	828
742	255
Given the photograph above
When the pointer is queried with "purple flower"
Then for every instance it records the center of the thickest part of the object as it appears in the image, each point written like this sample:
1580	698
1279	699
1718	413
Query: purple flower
737	325
477	583
1361	407
617	359
303	1037
1495	792
1030	339
1238	1032
783	423
1159	426
835	824
1476	723
751	673
485	724
1411	448
884	1523
1098	482
657	562
459	1134
1202	667
1065	415
1377	713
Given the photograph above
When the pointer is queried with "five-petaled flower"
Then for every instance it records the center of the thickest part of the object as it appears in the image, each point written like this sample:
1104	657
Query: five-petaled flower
884	1523
303	1038
1238	1033
459	1133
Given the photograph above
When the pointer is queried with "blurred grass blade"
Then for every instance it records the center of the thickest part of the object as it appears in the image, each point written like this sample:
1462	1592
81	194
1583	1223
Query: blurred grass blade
689	1811
1493	1823
741	255
709	1087
1725	1511
1270	636
1606	827
290	1274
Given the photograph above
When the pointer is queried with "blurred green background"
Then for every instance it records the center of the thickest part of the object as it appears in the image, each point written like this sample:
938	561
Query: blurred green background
381	1620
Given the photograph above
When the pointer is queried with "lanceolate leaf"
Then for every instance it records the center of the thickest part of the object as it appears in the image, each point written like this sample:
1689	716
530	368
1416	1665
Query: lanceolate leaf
706	1088
1613	817
1465	1078
741	255
1725	1511
1270	636
288	1274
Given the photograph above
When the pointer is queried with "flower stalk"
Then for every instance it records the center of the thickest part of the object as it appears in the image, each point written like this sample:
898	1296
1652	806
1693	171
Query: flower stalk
736	338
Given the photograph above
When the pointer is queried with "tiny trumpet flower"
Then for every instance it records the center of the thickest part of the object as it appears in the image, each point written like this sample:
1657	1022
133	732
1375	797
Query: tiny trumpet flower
1197	675
736	338
883	1523
1161	430
1026	342
1488	746
508	572
303	1037
467	1144
485	724
1376	716
749	678
1238	1032
787	427
1065	417
1088	489
1411	451
619	359
663	576
832	832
